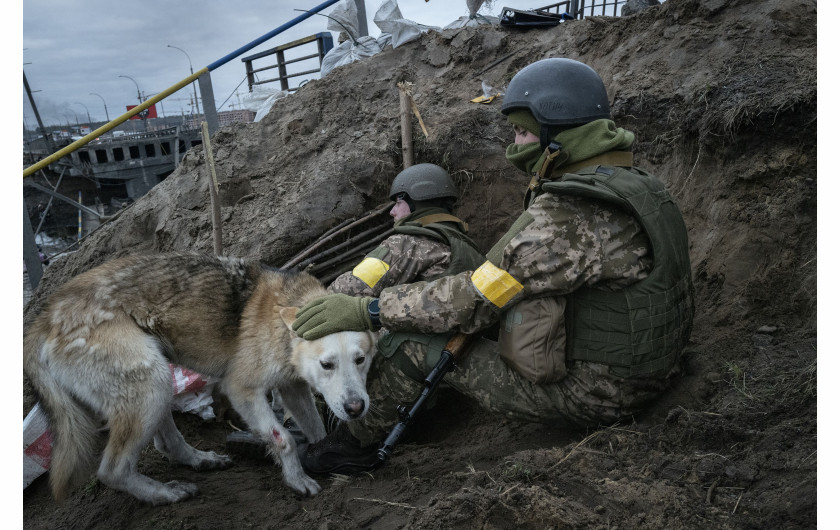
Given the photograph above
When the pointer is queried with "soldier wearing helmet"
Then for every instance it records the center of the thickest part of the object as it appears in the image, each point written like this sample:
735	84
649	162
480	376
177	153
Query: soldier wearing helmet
591	286
430	241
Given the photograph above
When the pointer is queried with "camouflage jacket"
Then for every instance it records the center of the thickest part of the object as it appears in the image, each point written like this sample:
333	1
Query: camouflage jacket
409	259
557	245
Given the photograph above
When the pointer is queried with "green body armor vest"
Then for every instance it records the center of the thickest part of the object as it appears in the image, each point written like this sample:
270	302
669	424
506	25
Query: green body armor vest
641	330
464	256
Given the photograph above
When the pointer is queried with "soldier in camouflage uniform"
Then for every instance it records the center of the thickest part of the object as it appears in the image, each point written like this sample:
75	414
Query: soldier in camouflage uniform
430	241
591	285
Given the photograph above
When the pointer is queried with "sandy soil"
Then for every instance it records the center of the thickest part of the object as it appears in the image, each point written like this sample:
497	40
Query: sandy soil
722	97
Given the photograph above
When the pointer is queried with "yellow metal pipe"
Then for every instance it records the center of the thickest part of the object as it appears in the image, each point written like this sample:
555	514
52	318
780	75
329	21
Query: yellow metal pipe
111	124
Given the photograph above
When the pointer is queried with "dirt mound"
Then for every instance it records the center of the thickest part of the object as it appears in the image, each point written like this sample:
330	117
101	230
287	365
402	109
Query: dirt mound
722	98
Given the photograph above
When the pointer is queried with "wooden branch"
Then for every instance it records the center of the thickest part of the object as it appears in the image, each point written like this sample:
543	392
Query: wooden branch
362	250
215	208
354	239
405	126
331	234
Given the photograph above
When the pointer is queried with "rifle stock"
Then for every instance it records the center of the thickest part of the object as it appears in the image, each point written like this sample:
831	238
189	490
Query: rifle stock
454	351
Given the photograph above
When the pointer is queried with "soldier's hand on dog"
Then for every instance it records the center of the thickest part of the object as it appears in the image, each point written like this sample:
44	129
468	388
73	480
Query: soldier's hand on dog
331	314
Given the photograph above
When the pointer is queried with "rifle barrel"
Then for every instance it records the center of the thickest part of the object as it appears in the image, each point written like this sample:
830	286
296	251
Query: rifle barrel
456	348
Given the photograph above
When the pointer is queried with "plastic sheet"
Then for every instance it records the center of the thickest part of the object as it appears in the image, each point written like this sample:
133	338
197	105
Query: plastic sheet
261	99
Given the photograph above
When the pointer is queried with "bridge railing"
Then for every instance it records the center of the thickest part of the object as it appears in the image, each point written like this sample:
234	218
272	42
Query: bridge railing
324	42
583	8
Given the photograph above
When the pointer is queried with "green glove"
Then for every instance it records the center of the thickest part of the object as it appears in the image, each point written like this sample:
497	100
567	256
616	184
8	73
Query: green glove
332	313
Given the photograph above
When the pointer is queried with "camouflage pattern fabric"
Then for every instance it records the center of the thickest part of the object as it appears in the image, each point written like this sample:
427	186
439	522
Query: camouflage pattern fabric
410	258
567	242
589	395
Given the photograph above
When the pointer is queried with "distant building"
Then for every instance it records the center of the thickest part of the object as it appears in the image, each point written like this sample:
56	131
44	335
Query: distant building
227	117
235	116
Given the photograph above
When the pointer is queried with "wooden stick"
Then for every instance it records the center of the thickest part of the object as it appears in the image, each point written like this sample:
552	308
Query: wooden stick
215	208
405	126
711	491
370	245
353	255
325	238
311	247
347	243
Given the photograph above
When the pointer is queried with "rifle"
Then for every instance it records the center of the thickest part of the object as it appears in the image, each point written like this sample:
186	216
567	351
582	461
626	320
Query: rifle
455	350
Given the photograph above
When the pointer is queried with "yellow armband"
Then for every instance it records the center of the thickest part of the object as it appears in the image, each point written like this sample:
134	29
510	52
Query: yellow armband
370	271
495	284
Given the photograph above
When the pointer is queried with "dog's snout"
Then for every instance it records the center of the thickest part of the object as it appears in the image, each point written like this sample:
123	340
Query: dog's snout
354	407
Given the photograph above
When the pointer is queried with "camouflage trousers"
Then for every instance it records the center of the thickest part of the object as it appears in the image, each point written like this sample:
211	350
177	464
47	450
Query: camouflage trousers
589	395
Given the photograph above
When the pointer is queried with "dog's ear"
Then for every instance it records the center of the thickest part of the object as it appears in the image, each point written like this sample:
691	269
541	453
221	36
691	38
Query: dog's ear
288	316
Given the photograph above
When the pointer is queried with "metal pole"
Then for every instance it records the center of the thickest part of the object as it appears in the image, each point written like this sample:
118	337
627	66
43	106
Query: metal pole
191	73
77	120
215	208
49	203
87	110
362	15
208	102
30	252
47	137
80	216
139	98
103	103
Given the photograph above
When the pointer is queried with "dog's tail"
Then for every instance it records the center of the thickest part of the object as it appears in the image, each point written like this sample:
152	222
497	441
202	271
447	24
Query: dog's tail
76	439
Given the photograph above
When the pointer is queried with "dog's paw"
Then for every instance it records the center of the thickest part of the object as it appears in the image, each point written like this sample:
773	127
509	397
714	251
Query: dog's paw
304	485
176	491
210	460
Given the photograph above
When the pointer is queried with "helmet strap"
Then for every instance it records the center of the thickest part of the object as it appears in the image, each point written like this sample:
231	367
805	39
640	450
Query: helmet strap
545	136
554	154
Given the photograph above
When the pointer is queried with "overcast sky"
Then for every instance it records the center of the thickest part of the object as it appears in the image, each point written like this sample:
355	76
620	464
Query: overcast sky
72	49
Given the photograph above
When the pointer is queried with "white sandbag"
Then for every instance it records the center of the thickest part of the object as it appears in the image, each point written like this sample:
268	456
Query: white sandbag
390	20
349	51
473	20
345	18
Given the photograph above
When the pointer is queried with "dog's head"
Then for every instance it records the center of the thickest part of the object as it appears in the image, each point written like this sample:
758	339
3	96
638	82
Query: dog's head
336	366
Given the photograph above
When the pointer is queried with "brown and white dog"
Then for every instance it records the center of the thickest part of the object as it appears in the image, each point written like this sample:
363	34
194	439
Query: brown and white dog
98	357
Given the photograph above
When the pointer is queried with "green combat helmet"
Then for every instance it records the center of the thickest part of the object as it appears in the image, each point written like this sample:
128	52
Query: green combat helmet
558	93
423	182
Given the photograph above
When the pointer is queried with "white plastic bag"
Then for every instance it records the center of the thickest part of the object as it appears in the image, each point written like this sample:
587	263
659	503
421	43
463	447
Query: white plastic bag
390	20
37	445
193	392
260	100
